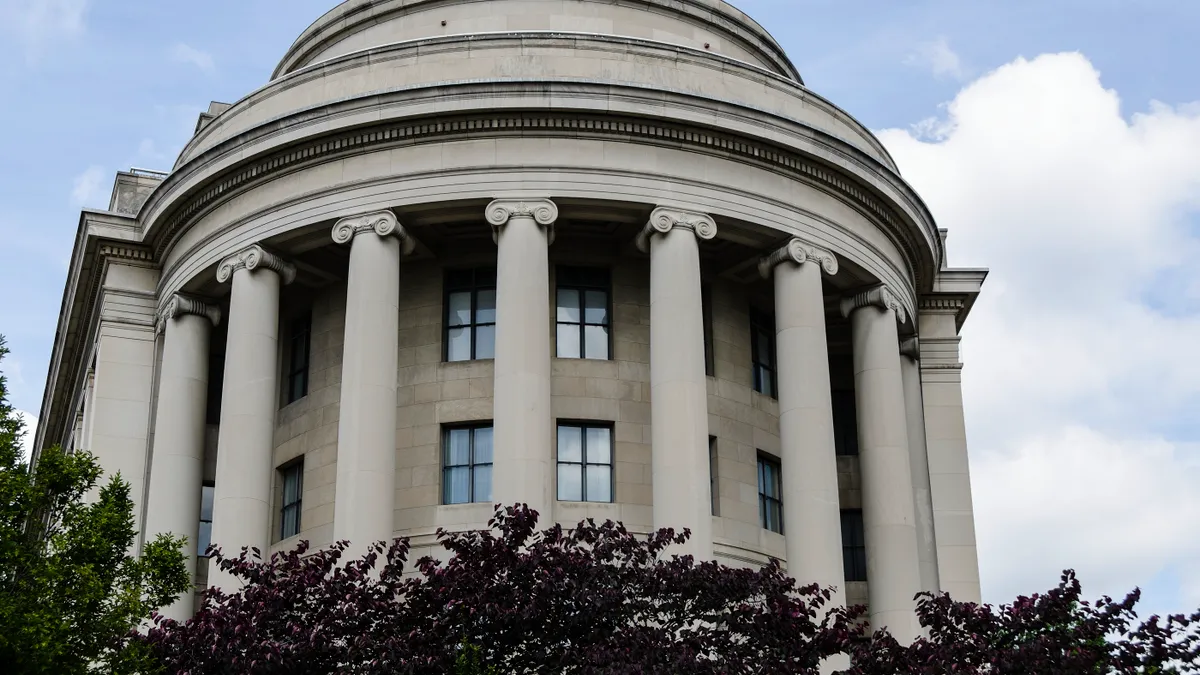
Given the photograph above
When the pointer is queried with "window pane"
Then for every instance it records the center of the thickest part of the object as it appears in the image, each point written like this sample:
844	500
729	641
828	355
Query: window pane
291	485
483	483
763	342
599	483
206	502
485	342
483	445
456	485
568	341
485	306
570	444
568	305
458	447
458	309
599	445
570	482
768	382
297	386
596	342
291	522
596	307
204	539
458	344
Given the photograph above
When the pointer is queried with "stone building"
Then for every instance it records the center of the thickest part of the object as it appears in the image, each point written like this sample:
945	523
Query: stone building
610	258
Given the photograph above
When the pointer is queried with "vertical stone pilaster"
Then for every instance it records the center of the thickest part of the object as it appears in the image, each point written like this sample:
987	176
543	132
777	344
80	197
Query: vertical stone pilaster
678	389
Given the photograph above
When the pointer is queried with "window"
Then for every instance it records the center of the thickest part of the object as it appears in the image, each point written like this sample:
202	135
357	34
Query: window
585	463
471	314
292	479
770	494
854	547
762	351
300	340
206	509
583	314
467	464
706	314
713	488
845	423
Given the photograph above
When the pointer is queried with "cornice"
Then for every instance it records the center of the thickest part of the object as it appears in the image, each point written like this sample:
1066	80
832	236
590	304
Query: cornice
383	223
878	296
254	257
542	211
665	218
799	251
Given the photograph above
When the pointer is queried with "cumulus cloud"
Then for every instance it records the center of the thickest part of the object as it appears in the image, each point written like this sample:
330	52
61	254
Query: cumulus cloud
938	57
183	53
88	189
37	24
1080	382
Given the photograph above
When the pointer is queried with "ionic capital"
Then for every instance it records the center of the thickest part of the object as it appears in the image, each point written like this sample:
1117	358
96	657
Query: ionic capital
382	223
799	252
879	296
664	219
911	348
542	211
179	305
253	258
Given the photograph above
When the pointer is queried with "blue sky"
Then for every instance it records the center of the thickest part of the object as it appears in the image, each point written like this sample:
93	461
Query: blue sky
1055	139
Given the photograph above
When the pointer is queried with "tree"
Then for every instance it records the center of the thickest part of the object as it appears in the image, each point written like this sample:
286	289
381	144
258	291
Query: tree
69	590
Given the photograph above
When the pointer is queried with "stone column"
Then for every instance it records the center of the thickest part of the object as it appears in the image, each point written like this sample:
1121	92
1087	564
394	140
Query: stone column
366	463
918	457
678	391
250	397
811	509
177	462
523	440
887	496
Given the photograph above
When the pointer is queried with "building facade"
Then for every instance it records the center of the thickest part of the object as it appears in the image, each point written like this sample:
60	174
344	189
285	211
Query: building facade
610	258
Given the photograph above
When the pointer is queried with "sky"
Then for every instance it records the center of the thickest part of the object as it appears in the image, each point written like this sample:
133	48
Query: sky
1058	141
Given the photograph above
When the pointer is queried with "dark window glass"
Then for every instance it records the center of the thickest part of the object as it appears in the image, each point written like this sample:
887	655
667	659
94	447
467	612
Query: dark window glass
854	546
206	510
300	338
762	351
585	463
770	494
845	423
713	485
710	361
583	316
292	477
470	314
467	464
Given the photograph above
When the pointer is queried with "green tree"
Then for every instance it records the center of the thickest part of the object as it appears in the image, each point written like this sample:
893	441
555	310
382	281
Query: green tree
70	592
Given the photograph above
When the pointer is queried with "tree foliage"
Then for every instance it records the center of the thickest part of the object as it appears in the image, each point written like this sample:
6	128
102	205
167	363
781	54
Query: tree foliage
69	590
598	599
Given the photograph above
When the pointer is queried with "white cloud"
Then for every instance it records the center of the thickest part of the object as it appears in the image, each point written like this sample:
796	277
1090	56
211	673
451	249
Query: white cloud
1081	381
938	57
37	24
89	187
187	54
30	429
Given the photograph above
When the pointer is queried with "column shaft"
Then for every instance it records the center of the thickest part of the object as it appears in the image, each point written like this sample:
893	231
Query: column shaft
366	463
888	518
523	441
177	468
910	372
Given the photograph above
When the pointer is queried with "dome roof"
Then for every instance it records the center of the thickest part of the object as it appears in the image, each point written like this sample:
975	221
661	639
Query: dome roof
714	25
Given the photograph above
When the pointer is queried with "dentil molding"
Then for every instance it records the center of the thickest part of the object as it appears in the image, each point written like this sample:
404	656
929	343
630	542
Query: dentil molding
542	211
879	296
180	305
383	223
253	258
799	252
664	219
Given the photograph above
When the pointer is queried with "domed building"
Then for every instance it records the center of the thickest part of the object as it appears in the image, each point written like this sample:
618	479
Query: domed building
610	258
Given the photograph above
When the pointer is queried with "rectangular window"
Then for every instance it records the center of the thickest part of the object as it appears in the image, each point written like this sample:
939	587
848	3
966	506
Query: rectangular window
470	314
845	423
206	509
854	547
583	316
292	478
713	486
762	351
467	464
585	463
770	494
706	313
300	338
